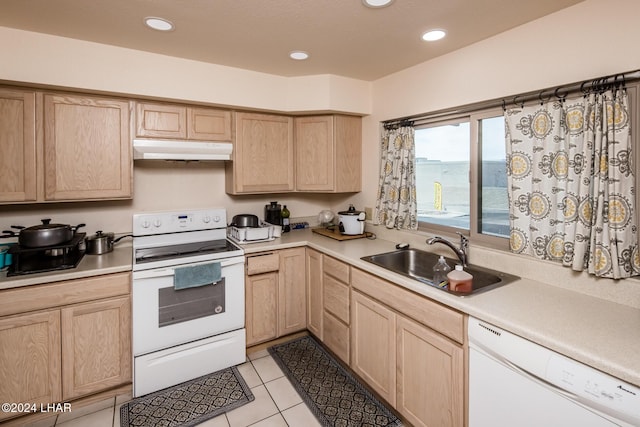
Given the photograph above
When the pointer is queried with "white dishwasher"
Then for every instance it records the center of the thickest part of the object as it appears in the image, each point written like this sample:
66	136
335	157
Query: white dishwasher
514	382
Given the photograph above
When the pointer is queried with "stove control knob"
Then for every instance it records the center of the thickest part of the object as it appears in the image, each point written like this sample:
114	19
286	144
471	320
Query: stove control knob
145	224
157	223
216	218
206	219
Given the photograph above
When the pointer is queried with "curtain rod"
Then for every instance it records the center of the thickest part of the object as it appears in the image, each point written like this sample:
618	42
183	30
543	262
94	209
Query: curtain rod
559	92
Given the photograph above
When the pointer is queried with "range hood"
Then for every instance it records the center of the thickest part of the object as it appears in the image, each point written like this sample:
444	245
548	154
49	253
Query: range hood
162	149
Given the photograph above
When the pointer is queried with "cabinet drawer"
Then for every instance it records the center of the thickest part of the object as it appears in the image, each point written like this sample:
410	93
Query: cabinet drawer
436	316
263	263
336	336
336	298
335	268
38	297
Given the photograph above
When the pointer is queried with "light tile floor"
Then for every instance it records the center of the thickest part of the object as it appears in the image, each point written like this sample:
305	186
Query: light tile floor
276	404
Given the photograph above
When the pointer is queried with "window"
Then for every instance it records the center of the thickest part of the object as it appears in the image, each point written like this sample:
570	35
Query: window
442	174
461	177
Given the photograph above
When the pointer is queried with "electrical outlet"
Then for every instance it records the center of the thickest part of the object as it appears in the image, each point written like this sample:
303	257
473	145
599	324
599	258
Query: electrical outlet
368	214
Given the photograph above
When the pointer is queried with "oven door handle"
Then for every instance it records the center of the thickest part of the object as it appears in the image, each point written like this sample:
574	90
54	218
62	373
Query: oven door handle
170	271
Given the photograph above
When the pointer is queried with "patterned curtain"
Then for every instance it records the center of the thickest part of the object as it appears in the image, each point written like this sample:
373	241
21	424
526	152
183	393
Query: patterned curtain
571	183
396	204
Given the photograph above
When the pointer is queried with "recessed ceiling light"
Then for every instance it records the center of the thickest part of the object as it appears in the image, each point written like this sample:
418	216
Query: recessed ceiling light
377	3
298	55
159	24
433	35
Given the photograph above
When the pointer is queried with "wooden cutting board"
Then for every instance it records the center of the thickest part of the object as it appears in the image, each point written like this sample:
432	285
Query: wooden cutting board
335	234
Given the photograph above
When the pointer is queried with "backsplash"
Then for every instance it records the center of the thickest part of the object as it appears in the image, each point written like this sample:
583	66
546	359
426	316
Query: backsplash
625	291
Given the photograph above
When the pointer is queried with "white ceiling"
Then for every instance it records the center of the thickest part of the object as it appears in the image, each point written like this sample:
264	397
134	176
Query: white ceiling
342	36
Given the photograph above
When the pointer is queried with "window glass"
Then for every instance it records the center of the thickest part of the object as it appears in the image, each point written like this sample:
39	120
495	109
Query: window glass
442	174
494	205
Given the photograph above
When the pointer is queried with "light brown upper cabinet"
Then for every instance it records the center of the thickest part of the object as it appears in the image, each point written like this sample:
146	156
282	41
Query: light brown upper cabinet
182	122
56	147
328	154
324	155
262	159
17	145
87	147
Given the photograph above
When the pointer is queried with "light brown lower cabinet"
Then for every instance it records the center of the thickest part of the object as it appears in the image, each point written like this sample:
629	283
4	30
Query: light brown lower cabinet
65	340
430	376
30	359
373	349
314	292
275	294
402	349
261	315
96	346
336	306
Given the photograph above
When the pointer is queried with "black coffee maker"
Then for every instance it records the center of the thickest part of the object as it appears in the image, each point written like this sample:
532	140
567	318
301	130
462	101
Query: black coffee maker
273	213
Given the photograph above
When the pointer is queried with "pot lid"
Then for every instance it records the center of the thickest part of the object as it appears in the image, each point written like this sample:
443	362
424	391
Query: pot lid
350	211
101	235
46	225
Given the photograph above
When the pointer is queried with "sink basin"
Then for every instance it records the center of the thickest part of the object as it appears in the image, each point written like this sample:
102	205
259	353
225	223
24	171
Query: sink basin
418	265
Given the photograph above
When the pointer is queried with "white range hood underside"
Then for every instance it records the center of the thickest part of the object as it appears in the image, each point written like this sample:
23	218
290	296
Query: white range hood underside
158	149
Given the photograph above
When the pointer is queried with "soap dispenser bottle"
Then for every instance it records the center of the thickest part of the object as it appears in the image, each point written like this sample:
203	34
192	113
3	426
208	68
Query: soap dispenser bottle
460	280
440	271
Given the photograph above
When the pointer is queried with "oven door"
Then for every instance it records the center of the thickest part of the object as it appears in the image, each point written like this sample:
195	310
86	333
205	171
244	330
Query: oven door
164	317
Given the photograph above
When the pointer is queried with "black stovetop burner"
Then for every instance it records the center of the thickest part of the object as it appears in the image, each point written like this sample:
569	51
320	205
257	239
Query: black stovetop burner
48	258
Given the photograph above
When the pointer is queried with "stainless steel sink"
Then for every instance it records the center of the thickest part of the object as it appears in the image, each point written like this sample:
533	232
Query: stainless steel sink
418	265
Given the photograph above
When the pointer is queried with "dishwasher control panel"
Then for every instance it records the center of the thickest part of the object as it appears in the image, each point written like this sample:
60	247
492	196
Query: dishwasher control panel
592	386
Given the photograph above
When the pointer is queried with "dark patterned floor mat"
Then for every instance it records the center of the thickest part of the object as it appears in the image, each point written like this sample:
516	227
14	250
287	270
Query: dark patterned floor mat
189	403
334	396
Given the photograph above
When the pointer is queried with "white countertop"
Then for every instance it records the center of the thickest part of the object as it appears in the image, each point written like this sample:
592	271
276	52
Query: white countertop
119	260
597	332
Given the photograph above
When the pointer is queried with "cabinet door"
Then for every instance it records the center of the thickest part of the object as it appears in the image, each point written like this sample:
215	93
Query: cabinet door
30	359
348	146
314	292
262	156
430	390
328	153
373	345
261	315
87	148
96	346
161	120
208	124
17	146
292	311
315	153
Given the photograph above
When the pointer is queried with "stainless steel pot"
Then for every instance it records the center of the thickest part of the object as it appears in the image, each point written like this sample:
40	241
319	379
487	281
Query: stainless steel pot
45	234
245	220
102	243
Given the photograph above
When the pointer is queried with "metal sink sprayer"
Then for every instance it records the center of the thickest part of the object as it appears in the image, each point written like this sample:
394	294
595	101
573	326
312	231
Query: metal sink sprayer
461	252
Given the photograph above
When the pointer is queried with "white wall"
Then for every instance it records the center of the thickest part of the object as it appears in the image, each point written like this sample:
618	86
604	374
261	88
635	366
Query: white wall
591	39
43	59
33	58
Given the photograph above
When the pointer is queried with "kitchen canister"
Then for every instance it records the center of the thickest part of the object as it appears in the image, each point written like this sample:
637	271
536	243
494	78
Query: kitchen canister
273	213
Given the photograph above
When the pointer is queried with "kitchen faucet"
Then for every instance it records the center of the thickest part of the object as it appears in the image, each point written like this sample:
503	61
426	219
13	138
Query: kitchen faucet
461	252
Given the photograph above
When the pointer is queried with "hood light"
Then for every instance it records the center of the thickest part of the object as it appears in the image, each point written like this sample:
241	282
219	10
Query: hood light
159	24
